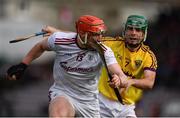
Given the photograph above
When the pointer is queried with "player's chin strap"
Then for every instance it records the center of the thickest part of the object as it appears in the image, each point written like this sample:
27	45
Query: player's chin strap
145	35
85	39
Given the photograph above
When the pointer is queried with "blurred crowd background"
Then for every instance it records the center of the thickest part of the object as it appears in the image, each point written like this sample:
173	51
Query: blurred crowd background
29	96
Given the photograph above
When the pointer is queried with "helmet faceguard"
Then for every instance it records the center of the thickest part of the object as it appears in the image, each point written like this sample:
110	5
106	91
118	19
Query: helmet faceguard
92	24
137	21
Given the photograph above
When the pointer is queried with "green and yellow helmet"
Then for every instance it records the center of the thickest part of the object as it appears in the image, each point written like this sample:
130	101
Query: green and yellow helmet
139	22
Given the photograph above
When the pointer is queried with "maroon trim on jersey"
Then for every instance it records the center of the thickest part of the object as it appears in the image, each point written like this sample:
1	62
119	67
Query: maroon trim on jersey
154	61
64	41
151	69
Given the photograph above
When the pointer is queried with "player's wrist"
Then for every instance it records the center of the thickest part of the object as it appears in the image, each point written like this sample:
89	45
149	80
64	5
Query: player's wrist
23	65
132	81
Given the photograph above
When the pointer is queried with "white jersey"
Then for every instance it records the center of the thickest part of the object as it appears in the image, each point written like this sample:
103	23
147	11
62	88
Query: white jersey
76	71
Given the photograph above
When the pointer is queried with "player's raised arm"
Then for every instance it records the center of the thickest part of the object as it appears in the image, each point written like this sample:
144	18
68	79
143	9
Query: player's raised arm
16	71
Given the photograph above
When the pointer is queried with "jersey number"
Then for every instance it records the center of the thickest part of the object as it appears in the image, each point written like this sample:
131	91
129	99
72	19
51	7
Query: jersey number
80	57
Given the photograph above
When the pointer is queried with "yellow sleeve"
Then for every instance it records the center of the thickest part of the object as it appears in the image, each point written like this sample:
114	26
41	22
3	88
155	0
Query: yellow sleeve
104	87
151	62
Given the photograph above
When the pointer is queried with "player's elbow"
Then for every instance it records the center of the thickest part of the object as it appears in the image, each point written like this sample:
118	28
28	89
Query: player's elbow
150	87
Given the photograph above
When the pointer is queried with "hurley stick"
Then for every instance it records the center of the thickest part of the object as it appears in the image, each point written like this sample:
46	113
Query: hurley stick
27	37
101	48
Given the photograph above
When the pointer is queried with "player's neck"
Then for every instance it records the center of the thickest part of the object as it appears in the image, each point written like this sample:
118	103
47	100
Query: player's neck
133	49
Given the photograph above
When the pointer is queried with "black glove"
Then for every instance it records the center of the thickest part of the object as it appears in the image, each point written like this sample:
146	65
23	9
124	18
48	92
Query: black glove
17	70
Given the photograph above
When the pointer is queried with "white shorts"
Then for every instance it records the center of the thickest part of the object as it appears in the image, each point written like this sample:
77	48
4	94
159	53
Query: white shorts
109	108
88	109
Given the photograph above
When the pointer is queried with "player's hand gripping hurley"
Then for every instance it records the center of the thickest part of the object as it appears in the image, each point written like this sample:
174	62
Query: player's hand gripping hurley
101	48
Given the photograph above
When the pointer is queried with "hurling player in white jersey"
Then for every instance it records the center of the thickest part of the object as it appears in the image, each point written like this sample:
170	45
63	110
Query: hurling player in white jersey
77	67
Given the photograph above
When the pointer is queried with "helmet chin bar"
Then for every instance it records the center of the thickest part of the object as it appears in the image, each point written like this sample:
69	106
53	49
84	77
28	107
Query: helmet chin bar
85	39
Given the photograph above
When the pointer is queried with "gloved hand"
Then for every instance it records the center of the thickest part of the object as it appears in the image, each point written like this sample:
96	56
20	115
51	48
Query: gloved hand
15	72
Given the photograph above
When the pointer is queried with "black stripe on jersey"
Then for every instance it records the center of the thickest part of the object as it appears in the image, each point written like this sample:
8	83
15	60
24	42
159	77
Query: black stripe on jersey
154	61
64	41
